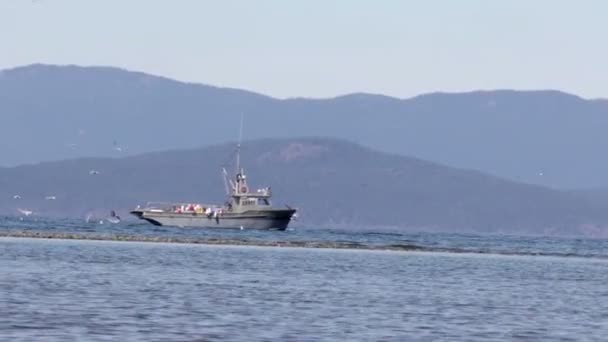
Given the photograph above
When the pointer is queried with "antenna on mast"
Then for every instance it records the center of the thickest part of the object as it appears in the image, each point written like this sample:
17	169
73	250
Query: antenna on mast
238	146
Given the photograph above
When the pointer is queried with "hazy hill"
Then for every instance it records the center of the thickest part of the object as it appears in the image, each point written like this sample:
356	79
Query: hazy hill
332	182
542	137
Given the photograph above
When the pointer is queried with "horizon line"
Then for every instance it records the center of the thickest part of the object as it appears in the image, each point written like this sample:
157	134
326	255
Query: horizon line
350	94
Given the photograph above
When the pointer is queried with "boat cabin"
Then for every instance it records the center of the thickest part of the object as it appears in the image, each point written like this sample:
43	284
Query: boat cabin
243	199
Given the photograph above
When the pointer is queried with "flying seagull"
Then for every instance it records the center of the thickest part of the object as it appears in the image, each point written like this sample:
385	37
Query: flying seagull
25	212
116	147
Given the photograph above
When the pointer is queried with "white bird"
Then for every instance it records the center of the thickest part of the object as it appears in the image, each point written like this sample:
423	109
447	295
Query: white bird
116	147
25	212
94	172
50	198
16	197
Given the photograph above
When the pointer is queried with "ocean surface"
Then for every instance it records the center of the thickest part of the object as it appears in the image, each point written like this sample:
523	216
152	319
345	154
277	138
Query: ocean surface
102	282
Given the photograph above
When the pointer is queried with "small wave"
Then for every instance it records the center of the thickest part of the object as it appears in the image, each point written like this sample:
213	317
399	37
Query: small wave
381	234
407	247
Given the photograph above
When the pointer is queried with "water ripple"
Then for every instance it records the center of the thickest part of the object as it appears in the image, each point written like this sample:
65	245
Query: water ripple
58	290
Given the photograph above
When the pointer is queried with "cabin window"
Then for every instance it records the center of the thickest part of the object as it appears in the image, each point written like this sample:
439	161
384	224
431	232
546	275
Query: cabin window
247	202
263	201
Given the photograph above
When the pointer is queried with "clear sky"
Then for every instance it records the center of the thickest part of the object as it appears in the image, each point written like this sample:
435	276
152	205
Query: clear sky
323	48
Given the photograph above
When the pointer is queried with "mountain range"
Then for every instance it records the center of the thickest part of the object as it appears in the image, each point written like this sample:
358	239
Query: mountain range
332	182
549	138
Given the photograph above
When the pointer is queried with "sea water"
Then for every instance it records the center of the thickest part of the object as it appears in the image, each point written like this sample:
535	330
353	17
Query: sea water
452	288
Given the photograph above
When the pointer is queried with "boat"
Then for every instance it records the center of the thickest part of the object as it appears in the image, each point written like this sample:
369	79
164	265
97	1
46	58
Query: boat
244	209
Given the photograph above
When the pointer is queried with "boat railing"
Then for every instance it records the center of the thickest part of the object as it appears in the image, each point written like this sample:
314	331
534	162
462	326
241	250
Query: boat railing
177	206
159	205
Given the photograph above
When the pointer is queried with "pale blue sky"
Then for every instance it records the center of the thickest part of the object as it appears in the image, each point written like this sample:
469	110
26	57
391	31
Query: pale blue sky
323	48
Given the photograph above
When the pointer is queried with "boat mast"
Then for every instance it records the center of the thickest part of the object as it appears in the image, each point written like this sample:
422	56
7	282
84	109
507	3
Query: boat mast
228	182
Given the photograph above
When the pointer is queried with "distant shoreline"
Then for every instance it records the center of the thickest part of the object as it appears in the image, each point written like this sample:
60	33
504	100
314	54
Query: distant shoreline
248	243
206	241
